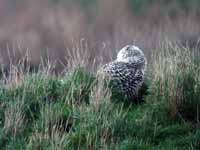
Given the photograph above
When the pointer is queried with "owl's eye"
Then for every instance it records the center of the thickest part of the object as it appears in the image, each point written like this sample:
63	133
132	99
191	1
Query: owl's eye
137	53
128	47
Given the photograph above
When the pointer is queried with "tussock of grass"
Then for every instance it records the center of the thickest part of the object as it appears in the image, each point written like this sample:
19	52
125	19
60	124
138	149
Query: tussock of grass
80	111
176	81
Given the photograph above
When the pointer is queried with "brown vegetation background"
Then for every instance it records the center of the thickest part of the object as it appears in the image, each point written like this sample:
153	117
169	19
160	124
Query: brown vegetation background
101	27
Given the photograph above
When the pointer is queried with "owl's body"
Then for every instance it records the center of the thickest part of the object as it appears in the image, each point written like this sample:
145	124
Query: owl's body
127	71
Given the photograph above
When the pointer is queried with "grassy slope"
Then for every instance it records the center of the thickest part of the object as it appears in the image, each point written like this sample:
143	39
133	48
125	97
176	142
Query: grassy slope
75	111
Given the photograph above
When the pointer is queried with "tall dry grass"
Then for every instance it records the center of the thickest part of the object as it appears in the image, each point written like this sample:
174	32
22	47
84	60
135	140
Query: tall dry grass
175	78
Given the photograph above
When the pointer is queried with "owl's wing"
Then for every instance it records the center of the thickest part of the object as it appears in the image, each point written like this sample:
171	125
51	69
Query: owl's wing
127	76
119	70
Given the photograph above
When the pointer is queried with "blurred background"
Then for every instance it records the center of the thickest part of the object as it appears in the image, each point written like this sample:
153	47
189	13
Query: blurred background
101	27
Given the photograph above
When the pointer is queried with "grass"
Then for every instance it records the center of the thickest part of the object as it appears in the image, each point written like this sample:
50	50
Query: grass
171	8
78	111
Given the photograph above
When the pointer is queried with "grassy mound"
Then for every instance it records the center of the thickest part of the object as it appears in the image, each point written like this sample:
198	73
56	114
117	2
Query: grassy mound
76	111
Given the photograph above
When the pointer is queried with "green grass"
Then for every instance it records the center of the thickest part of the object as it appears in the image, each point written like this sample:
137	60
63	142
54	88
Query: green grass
139	7
78	111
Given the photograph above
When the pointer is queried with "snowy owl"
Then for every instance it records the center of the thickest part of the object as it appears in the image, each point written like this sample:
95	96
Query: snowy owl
127	71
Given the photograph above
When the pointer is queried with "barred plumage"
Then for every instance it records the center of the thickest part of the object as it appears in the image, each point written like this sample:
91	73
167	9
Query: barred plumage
127	71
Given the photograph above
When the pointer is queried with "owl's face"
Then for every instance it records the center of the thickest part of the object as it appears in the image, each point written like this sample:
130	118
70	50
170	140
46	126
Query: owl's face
130	53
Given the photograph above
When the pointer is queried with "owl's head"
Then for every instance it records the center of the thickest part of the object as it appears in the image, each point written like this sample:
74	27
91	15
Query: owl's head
131	54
